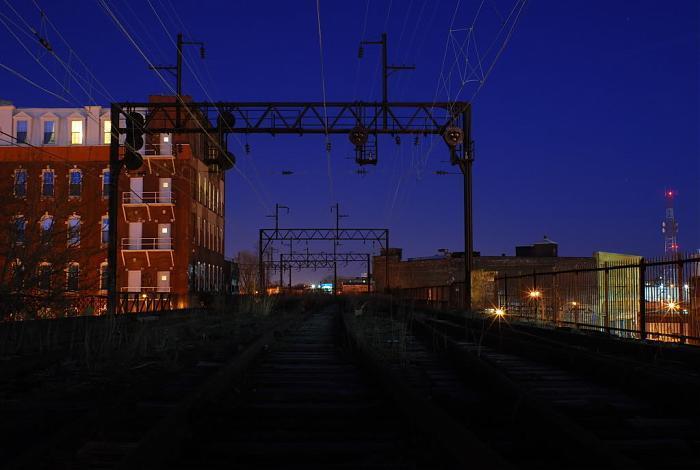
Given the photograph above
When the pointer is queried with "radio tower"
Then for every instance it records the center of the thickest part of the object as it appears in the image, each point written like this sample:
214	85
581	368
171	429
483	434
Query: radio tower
669	227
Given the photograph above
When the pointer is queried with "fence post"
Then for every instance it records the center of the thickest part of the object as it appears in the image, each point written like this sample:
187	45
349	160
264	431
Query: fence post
642	301
606	307
681	301
534	288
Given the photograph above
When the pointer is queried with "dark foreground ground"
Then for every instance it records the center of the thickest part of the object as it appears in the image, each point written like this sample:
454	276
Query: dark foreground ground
347	383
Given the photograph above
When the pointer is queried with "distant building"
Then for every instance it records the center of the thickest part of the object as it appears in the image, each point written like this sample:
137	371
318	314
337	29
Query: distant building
54	180
448	269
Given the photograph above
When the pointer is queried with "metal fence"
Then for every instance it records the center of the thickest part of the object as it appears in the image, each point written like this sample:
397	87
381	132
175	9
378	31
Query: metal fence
655	299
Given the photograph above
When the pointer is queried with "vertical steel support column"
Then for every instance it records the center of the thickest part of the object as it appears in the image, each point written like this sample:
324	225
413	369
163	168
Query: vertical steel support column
466	167
291	244
281	272
261	273
385	83
386	264
369	273
642	301
178	80
114	169
505	291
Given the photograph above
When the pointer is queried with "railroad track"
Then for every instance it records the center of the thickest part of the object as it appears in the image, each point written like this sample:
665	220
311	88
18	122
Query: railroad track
611	427
294	398
307	404
98	429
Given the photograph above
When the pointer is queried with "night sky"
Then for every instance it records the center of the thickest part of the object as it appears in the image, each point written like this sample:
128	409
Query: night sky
590	112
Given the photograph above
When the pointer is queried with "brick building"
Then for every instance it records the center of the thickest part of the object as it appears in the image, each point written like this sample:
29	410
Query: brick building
54	177
448	269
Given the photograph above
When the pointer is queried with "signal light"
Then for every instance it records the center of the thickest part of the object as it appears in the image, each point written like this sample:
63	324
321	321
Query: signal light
358	136
453	136
225	121
133	142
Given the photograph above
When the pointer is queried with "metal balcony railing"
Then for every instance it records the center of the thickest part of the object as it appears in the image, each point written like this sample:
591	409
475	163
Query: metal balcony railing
144	290
147	244
147	197
157	150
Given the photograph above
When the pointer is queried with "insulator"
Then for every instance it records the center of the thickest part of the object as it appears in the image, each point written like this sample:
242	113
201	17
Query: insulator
247	148
397	139
415	141
328	146
360	52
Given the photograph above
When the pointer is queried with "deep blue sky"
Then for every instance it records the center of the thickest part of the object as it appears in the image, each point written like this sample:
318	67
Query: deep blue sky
589	113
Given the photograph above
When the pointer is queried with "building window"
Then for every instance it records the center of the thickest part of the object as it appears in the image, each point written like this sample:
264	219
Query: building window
22	132
19	225
107	132
75	183
20	188
46	228
104	230
74	231
72	276
49	132
76	132
44	276
47	183
105	182
104	276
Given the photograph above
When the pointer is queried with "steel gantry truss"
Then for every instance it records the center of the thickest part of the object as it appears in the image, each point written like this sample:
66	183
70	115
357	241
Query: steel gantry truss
361	121
304	117
330	260
306	260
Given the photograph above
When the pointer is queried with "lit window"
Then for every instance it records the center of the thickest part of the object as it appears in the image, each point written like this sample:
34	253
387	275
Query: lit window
104	230
19	225
105	183
22	130
47	183
49	132
44	276
74	231
104	276
46	228
72	276
75	183
107	132
20	188
76	132
164	230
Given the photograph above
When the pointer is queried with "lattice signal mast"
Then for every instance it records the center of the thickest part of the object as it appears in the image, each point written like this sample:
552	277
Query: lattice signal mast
669	227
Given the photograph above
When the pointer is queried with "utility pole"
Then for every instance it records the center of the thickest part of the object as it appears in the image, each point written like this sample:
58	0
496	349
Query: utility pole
386	71
176	70
335	246
465	164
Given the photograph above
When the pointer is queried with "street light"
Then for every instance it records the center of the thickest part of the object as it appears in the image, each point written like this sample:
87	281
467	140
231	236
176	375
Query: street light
534	294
